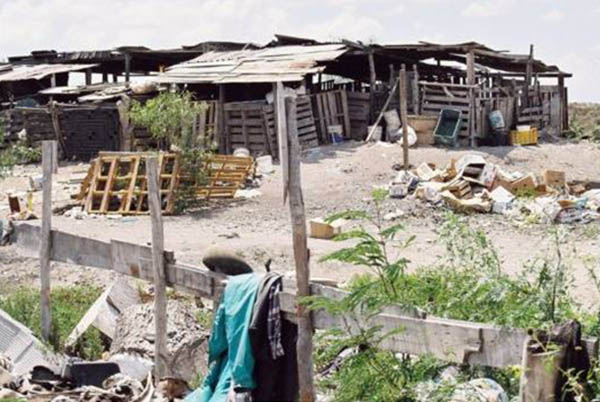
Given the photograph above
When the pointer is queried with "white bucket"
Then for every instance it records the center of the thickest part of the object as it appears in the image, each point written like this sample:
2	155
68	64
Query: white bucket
265	164
241	152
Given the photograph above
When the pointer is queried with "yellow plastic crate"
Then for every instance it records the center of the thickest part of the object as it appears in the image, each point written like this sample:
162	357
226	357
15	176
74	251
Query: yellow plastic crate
524	137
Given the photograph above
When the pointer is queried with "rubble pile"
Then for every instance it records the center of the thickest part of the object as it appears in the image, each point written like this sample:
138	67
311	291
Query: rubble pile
186	340
473	185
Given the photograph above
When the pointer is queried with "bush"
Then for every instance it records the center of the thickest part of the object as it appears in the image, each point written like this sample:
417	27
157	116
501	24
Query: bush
68	305
467	284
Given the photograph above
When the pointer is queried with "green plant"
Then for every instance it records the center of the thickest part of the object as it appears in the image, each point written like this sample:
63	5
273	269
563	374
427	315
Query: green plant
468	283
68	305
170	118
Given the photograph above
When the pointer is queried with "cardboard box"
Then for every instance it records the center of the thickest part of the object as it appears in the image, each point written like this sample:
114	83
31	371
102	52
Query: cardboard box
526	183
554	178
320	229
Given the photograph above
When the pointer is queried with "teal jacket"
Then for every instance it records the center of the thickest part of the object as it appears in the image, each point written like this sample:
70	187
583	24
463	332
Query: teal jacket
229	352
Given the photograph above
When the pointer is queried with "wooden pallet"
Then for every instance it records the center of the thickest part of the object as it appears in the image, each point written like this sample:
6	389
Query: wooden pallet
331	108
226	174
307	131
245	127
119	183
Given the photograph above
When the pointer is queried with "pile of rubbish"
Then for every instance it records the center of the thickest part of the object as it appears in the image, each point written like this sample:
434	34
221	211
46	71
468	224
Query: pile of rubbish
473	185
29	369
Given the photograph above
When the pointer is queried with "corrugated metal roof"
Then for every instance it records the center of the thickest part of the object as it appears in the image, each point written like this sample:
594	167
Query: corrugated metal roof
40	71
284	63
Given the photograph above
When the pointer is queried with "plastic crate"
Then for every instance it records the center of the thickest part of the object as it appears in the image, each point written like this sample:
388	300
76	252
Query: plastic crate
529	137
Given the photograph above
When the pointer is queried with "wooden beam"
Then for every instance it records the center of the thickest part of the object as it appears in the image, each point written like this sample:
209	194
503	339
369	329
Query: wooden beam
471	68
282	136
404	116
221	129
45	243
372	83
304	346
563	105
415	91
161	356
127	67
528	76
88	76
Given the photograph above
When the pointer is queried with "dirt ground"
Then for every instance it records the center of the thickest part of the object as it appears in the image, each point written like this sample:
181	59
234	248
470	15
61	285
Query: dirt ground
335	178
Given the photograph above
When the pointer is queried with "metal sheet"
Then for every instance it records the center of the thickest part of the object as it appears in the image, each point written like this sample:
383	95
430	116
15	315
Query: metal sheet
40	71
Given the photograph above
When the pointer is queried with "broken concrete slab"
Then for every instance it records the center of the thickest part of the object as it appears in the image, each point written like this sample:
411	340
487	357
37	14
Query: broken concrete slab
18	343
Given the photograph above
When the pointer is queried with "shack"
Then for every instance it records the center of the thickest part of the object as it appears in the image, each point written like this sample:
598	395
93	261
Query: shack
343	87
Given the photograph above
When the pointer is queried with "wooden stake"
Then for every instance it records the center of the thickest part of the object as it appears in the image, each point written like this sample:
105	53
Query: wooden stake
282	136
404	115
48	156
372	83
158	264
304	346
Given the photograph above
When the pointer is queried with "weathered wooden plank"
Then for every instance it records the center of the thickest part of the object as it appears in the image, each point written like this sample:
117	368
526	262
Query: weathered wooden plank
45	247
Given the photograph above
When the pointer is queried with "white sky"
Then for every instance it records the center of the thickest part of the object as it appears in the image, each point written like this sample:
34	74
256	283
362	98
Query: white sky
565	32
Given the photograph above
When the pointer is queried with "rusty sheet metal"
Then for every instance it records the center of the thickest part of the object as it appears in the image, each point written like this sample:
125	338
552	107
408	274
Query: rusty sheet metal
40	71
284	63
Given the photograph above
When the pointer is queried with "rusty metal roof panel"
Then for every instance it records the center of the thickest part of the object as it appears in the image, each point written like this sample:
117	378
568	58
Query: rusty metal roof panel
40	71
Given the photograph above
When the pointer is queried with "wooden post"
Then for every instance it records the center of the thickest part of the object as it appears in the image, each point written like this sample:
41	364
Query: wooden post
282	136
45	244
53	80
471	68
158	263
372	83
404	115
127	66
221	132
563	125
88	76
528	75
126	142
415	91
304	346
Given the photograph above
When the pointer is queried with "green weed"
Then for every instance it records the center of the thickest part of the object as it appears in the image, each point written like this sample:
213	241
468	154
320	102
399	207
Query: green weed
68	305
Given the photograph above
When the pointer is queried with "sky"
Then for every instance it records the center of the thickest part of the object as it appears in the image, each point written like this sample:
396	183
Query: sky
564	32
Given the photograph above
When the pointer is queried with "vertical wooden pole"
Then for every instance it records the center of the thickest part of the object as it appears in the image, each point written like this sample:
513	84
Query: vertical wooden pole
563	124
45	244
372	83
415	91
404	115
158	264
127	67
54	157
53	80
304	346
222	132
528	75
282	136
472	109
88	76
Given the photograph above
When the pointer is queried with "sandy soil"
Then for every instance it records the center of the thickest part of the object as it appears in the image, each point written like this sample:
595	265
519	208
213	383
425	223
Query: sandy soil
334	178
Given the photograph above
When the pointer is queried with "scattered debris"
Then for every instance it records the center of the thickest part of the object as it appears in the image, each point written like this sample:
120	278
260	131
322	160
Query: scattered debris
471	184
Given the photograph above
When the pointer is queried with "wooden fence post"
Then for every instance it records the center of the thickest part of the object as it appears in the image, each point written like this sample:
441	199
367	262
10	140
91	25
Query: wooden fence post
404	115
304	346
48	148
282	137
158	264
